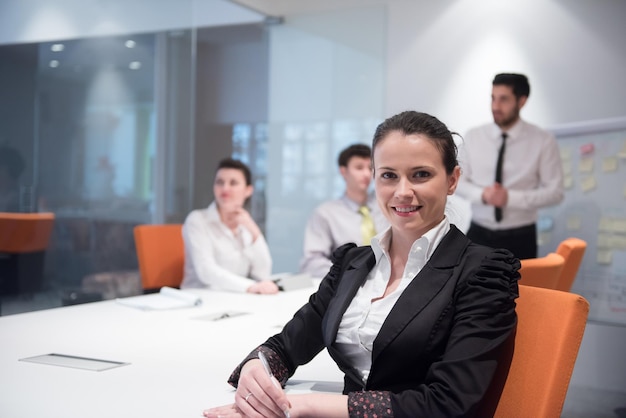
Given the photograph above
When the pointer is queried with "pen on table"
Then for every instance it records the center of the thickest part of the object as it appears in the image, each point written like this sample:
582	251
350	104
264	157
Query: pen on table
266	366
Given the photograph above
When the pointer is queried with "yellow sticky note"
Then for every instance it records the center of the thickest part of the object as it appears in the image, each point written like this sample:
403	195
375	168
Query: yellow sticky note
588	184
619	225
605	224
586	165
605	257
619	242
573	222
604	241
609	164
567	167
568	182
543	238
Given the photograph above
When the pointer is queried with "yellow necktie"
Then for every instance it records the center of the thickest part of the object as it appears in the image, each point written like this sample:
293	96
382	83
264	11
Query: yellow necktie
367	225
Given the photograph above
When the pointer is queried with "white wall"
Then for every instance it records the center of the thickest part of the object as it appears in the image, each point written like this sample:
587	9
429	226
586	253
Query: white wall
24	21
443	55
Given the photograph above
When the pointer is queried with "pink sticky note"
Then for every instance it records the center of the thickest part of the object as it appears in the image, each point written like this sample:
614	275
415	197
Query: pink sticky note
586	148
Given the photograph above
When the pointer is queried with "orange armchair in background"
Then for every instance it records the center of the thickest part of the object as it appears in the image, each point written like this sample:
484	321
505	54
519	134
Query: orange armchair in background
572	250
161	255
24	239
542	271
550	329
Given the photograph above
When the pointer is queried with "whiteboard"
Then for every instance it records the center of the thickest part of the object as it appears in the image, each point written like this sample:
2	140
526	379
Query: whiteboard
594	209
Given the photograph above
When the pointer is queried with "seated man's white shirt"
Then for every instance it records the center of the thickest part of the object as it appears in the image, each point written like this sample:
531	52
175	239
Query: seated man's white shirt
219	259
331	225
459	212
363	319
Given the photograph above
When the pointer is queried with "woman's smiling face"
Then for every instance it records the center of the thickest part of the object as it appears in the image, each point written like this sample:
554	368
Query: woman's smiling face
411	182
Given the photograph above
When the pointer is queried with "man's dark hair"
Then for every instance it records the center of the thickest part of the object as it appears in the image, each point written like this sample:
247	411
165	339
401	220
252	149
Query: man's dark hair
356	150
237	165
518	82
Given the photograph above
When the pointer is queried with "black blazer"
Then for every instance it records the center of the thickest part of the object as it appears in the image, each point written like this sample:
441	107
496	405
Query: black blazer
442	343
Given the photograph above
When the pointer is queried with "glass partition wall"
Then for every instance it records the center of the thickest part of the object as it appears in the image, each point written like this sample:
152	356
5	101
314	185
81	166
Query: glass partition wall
104	129
114	131
327	74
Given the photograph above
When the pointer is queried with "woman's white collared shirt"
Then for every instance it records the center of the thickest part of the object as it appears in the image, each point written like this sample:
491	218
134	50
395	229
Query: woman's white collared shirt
220	259
363	319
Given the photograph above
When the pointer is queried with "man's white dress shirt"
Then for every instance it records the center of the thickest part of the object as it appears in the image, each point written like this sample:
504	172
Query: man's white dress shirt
332	224
532	173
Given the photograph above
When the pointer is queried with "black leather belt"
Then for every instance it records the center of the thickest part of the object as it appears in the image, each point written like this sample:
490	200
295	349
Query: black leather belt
506	233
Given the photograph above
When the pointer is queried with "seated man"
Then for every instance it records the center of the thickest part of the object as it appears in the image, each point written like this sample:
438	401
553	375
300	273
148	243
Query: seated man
355	217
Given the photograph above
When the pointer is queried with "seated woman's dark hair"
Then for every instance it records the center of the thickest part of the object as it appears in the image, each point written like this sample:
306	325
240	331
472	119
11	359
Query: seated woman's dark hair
237	165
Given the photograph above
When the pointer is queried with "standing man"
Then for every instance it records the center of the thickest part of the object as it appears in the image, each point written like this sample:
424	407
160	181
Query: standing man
510	169
355	217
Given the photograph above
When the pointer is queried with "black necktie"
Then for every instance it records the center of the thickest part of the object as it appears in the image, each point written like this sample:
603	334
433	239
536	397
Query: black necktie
498	211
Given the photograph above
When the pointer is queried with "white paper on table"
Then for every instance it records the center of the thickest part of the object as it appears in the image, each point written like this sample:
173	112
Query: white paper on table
291	281
167	298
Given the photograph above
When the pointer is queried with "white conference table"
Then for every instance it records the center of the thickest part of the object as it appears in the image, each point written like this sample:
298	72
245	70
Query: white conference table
179	360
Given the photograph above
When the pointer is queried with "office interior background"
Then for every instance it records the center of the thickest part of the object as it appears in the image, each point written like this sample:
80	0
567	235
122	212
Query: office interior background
121	109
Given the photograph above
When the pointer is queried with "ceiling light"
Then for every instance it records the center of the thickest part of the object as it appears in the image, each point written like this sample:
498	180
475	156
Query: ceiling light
53	64
135	65
130	43
57	47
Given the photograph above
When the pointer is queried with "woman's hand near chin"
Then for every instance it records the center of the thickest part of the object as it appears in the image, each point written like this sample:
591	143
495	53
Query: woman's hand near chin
242	217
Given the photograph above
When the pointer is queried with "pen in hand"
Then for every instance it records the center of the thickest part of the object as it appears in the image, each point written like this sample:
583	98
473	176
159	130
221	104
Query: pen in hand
266	366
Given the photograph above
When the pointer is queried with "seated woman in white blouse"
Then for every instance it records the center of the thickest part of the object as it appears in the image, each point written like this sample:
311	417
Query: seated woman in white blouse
224	247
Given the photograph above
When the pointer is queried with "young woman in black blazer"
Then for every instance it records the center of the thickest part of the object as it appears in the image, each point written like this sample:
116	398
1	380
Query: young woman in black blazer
421	322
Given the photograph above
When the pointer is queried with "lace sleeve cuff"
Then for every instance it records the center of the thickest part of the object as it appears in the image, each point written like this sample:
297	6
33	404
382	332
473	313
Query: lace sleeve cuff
370	404
276	365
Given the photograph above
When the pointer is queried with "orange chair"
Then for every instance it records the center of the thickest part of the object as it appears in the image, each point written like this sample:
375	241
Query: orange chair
161	255
572	250
542	271
24	238
550	329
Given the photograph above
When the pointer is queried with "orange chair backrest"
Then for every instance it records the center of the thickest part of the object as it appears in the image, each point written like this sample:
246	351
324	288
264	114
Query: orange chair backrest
542	271
550	329
25	232
161	255
572	250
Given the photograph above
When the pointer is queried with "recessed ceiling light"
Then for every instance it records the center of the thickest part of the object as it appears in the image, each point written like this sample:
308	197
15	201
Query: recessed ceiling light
57	47
53	64
135	65
130	43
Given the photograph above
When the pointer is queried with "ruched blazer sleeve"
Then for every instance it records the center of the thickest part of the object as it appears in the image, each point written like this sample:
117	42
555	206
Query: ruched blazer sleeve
442	343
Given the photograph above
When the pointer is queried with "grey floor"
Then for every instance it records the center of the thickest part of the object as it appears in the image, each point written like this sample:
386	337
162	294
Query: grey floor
592	403
10	305
580	402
